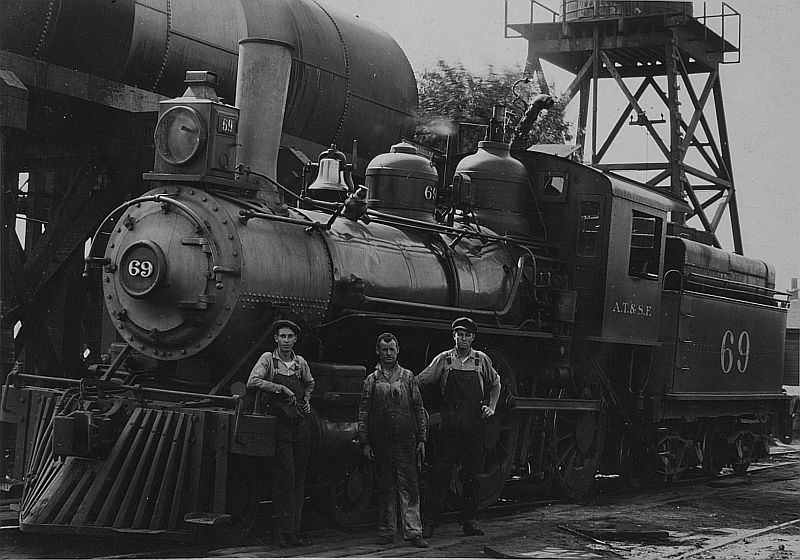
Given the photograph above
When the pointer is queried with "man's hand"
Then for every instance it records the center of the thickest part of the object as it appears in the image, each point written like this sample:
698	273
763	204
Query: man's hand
368	453
486	411
289	394
305	406
420	453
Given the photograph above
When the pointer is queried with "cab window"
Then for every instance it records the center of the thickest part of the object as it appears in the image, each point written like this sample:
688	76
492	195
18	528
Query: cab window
589	229
645	245
553	186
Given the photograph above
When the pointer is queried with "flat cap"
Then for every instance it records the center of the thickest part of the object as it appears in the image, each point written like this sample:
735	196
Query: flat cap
288	324
465	323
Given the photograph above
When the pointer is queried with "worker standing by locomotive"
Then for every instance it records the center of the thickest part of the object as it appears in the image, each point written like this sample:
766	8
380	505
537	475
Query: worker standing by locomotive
284	378
465	376
392	427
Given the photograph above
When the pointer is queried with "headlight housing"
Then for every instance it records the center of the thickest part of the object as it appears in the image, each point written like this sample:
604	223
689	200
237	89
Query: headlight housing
180	134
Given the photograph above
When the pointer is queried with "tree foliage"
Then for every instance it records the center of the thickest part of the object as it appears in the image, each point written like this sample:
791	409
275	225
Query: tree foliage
449	95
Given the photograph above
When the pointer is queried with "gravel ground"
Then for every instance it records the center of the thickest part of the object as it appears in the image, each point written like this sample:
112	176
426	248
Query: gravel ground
754	518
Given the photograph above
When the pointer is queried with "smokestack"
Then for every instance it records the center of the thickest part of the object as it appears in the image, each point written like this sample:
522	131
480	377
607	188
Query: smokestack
262	83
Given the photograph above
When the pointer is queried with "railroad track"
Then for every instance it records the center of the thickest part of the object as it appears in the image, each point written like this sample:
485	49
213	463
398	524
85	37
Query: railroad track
336	543
361	540
509	505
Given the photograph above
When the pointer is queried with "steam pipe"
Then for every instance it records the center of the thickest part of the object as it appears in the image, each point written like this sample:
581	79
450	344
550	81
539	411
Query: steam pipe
246	215
524	126
389	219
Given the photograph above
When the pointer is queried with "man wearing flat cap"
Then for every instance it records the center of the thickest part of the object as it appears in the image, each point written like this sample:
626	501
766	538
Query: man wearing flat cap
470	389
284	381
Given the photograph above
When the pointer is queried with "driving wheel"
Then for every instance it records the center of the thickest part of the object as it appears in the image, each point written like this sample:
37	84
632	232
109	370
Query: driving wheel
499	436
575	449
350	492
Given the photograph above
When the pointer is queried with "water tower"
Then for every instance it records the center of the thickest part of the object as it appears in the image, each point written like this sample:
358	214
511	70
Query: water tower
647	47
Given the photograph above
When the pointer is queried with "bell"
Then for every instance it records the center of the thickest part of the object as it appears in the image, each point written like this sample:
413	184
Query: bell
331	182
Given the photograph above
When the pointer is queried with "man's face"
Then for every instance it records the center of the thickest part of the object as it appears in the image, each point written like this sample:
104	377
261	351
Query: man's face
285	338
387	352
463	339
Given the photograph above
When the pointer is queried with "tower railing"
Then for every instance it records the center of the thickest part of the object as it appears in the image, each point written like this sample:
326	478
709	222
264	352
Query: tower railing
717	24
532	19
729	32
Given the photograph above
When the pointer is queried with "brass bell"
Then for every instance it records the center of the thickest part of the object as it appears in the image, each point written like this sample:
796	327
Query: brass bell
331	182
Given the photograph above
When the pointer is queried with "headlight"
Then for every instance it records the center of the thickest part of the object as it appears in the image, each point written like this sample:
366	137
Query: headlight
179	135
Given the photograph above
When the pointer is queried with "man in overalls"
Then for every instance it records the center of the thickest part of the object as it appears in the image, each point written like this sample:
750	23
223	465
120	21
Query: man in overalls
465	376
285	380
392	428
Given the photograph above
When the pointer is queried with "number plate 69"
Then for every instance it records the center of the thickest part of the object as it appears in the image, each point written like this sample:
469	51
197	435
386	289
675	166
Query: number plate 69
140	268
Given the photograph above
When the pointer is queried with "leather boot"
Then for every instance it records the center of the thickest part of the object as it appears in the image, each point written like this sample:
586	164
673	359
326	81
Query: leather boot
427	529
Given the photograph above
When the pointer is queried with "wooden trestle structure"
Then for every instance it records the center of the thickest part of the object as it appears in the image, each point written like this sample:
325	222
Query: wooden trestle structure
74	145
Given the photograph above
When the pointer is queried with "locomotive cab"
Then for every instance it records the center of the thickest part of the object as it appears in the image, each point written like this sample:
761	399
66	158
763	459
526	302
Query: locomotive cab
612	232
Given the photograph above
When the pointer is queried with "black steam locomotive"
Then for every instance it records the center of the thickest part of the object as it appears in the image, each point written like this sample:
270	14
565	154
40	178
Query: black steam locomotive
624	343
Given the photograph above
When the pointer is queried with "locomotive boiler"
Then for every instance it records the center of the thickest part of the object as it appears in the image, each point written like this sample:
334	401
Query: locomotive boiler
624	343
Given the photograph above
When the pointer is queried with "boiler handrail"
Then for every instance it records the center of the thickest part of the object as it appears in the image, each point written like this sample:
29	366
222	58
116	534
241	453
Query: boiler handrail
496	314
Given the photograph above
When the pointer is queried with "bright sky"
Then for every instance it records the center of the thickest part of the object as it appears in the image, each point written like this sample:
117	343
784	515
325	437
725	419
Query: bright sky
760	97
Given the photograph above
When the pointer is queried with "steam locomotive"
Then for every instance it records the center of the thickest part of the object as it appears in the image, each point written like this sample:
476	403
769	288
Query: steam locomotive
625	344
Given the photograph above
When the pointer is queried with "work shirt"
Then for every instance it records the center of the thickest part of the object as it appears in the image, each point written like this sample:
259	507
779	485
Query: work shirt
387	399
269	365
439	369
